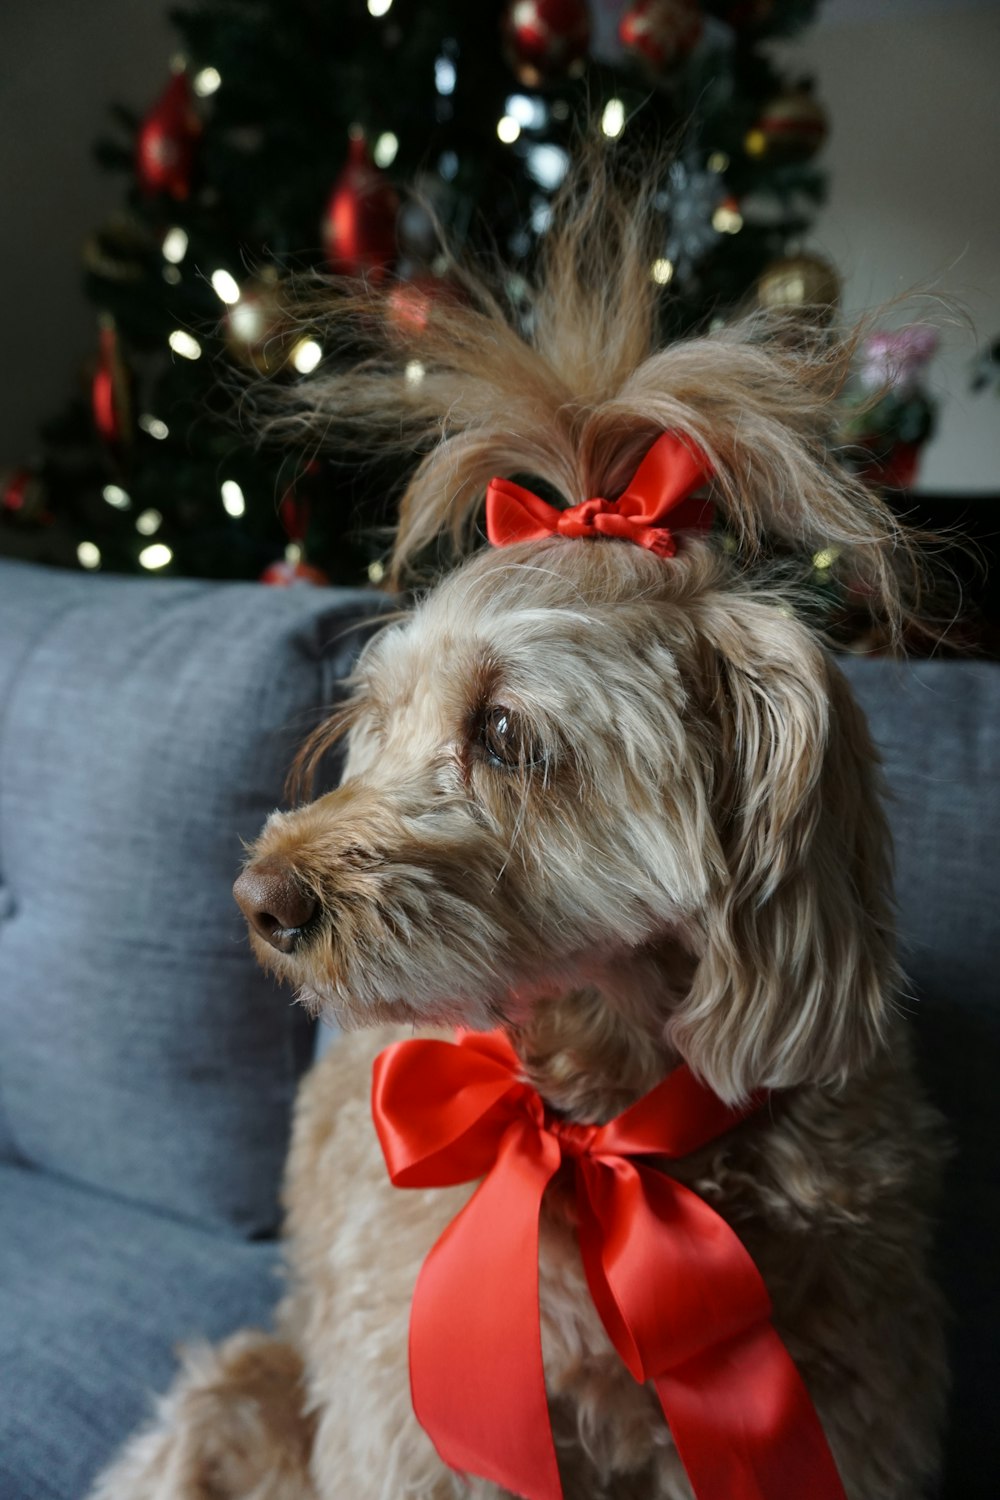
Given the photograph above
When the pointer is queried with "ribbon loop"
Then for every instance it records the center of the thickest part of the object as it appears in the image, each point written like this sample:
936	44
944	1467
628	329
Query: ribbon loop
681	1300
663	486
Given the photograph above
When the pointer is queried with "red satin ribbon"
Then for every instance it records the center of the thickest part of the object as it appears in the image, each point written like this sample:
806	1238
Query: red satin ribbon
682	1302
661	487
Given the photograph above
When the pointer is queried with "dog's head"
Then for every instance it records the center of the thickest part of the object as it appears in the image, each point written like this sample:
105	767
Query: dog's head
579	768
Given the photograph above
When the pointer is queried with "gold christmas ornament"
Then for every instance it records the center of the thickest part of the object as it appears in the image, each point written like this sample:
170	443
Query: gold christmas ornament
790	129
799	281
257	328
118	250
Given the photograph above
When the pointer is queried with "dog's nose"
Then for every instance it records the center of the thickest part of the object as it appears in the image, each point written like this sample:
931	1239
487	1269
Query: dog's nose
274	903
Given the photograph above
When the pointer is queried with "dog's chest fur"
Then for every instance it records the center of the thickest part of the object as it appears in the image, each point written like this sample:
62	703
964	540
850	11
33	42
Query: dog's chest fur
826	1192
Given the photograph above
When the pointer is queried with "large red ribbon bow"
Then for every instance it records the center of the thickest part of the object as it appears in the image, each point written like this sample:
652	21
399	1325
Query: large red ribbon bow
661	488
680	1298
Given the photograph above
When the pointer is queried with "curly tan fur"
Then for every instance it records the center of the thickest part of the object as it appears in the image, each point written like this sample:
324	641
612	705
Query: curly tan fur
689	861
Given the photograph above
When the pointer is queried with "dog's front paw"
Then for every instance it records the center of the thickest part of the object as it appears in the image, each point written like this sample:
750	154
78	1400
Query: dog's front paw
232	1427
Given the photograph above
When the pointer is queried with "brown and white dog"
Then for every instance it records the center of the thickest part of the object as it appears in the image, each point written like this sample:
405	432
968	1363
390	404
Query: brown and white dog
625	808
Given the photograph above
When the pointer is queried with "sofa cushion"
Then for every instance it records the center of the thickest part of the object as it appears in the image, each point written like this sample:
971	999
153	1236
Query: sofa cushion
145	730
94	1296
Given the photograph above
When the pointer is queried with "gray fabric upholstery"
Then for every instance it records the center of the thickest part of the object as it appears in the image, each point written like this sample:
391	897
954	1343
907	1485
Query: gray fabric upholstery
145	729
938	726
94	1296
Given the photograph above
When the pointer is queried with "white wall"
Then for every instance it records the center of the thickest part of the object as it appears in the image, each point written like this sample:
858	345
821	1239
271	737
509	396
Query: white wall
913	92
61	63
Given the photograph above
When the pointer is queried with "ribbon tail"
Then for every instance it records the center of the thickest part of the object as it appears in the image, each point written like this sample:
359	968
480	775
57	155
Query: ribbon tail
663	483
477	1379
744	1424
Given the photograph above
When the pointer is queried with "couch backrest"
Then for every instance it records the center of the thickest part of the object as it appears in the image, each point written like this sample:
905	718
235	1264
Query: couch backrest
145	730
938	726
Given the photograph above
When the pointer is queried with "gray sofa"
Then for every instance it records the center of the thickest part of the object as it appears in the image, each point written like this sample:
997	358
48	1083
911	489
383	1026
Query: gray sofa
147	1068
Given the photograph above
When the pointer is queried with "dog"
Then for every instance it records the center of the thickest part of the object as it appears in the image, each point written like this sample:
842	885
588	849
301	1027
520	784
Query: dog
611	799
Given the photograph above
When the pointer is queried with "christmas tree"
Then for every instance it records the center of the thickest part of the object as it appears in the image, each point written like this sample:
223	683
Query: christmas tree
360	138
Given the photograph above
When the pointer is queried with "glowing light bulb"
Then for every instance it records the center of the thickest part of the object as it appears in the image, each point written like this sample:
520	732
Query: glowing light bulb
547	165
183	344
225	287
444	75
233	500
385	148
306	355
529	113
116	496
175	243
376	572
379	7
155	556
718	161
88	555
414	372
154	427
727	219
148	523
613	118
206	82
508	129
662	271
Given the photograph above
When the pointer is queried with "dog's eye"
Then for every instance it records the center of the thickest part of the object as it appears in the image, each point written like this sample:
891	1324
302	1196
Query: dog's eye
506	739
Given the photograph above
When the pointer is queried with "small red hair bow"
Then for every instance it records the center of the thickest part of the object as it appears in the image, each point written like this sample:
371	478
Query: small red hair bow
681	1300
661	487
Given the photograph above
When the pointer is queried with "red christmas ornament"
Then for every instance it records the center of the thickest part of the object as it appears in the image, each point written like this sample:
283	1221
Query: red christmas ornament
359	227
294	513
165	145
22	497
545	39
411	305
110	390
897	470
661	31
292	572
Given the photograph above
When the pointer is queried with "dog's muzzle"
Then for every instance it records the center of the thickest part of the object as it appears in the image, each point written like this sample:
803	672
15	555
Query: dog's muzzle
275	904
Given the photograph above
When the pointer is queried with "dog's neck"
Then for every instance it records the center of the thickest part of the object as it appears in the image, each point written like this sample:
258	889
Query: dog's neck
597	1045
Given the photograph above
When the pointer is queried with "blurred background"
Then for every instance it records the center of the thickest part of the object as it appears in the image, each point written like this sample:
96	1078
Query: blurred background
161	175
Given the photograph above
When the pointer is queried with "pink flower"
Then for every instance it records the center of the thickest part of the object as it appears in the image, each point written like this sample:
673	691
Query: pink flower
897	358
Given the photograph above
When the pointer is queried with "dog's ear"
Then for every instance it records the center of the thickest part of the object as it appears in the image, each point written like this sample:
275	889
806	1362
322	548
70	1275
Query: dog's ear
796	967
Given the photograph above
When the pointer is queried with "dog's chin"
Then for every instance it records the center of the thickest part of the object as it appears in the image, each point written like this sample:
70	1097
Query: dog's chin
352	1015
